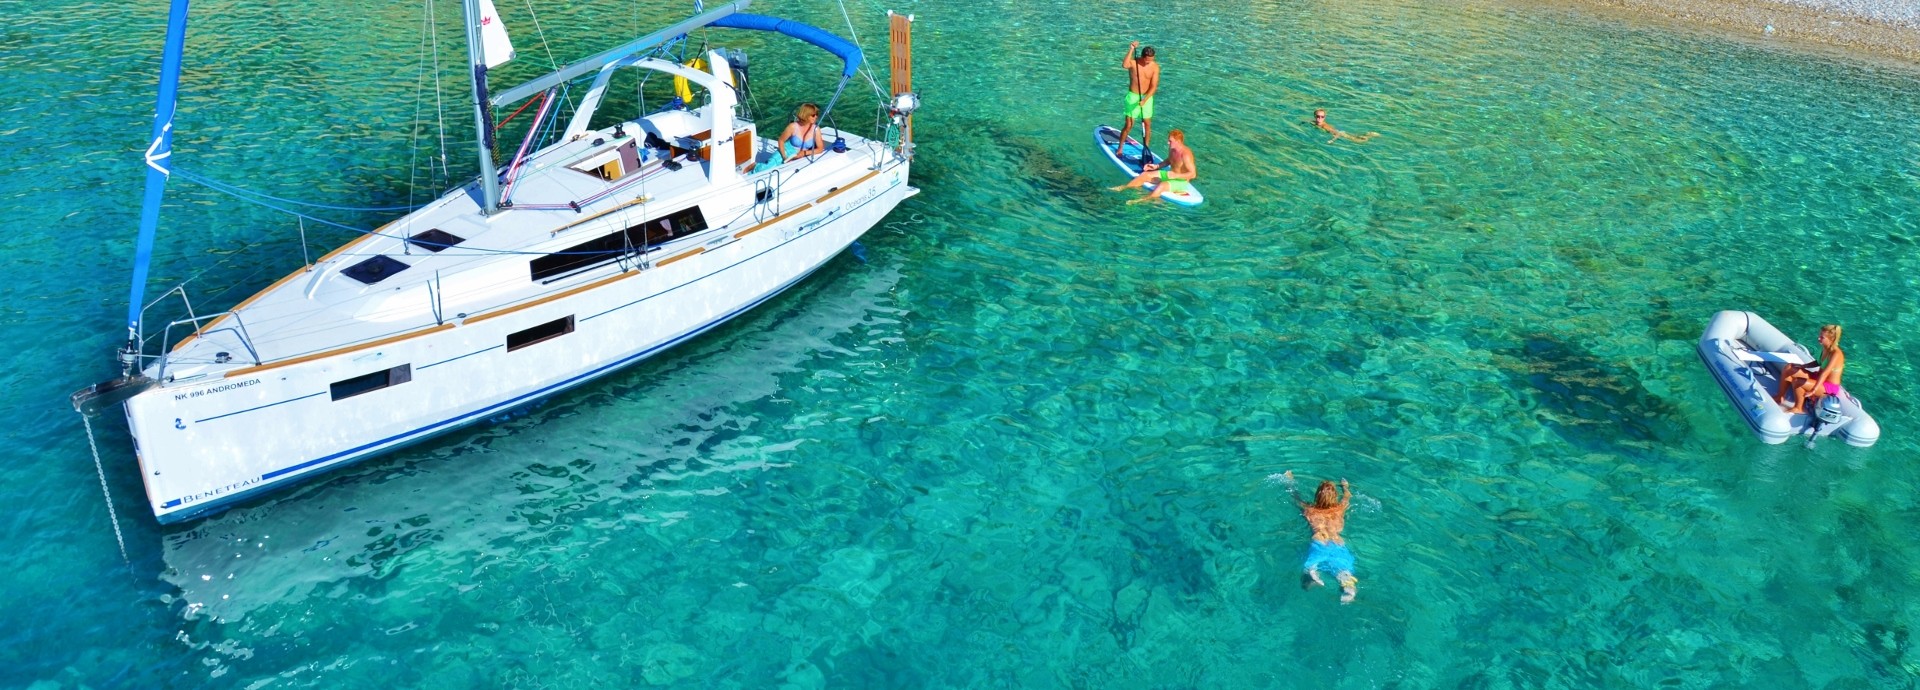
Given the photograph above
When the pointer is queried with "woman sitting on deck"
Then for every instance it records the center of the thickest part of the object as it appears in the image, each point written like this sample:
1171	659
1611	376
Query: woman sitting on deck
1816	380
800	138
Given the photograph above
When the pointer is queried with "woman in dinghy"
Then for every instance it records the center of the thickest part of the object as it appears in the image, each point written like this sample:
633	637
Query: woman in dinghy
1814	381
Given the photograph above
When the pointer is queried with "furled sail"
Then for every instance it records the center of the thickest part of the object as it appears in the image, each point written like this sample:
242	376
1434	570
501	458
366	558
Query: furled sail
493	36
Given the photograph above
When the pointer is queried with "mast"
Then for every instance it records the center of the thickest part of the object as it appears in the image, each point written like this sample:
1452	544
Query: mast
482	112
158	151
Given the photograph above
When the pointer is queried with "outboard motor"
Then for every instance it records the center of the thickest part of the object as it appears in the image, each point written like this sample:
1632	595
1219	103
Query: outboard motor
738	59
1828	417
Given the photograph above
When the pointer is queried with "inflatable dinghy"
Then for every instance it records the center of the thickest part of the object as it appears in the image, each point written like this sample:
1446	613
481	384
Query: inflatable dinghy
1746	355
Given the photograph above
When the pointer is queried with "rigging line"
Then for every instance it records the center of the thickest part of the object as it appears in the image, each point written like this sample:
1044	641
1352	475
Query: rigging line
419	86
544	45
244	192
850	29
439	95
863	51
516	113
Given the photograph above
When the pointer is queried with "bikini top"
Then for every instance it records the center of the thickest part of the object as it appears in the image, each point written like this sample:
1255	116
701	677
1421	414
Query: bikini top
799	139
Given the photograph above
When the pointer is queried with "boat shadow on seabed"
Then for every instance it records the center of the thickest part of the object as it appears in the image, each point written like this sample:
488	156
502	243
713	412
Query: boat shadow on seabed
370	521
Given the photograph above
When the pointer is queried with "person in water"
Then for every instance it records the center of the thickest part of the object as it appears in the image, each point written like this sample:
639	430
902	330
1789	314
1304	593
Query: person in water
1327	515
1817	379
801	137
1143	81
1177	177
1320	120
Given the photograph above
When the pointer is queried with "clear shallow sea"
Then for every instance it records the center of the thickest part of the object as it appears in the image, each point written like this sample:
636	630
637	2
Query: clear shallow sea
1027	442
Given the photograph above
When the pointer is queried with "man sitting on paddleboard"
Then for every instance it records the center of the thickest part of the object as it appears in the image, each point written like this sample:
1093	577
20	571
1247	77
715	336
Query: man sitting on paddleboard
1177	177
1143	80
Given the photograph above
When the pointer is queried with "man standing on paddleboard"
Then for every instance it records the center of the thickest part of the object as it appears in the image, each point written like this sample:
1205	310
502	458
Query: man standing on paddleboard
1143	80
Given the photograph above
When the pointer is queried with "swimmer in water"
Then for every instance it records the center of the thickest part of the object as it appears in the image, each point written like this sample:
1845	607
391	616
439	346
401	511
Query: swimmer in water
1327	515
1320	120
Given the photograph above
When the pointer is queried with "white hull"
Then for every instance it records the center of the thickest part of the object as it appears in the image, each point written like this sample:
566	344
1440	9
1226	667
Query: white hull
218	436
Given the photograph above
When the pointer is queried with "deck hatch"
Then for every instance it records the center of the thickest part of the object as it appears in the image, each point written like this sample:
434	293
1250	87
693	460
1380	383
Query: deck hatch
435	240
368	383
540	334
375	269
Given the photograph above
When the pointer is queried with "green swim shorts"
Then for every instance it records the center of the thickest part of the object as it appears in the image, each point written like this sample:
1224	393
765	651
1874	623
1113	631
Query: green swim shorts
1138	109
1176	186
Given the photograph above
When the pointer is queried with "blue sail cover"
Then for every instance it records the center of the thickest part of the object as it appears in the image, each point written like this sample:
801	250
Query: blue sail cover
848	52
158	169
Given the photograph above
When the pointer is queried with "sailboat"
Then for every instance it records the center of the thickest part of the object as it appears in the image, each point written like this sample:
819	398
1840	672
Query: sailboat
569	262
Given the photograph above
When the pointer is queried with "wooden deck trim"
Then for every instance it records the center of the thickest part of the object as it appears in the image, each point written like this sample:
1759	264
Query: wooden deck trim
549	298
696	251
849	185
776	219
340	351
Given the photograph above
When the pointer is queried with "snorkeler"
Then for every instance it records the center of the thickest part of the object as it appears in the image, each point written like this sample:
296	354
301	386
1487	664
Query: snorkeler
1327	515
1815	380
1176	177
1143	81
1320	120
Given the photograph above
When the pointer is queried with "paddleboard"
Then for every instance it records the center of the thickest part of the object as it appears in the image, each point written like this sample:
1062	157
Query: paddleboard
1105	136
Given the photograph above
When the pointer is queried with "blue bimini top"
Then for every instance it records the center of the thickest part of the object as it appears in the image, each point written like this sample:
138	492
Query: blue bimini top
847	52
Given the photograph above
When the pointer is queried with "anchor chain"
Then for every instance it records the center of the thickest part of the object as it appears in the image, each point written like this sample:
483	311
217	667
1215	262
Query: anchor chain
104	491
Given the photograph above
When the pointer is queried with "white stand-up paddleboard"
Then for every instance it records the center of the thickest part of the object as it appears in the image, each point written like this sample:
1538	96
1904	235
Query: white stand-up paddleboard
1106	136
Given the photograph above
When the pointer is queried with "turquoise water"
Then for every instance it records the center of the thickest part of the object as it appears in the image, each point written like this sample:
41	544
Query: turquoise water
1028	442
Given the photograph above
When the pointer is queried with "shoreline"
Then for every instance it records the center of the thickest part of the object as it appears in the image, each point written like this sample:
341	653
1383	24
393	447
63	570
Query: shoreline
1873	27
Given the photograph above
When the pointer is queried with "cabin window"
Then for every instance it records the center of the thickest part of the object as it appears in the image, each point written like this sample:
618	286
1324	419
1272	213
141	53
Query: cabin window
582	256
672	226
435	240
368	383
540	334
374	270
606	248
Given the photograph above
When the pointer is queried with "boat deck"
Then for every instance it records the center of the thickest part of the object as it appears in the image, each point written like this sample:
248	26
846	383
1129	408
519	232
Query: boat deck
329	305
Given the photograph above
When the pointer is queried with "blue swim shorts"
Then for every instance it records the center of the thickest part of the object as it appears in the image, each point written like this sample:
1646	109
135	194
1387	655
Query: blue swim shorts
1335	557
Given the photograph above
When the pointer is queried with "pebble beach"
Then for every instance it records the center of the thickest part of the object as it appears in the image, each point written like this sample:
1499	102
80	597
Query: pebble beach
1888	28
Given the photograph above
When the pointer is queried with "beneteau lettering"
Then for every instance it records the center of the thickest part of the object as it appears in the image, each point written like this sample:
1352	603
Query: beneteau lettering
219	491
222	388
